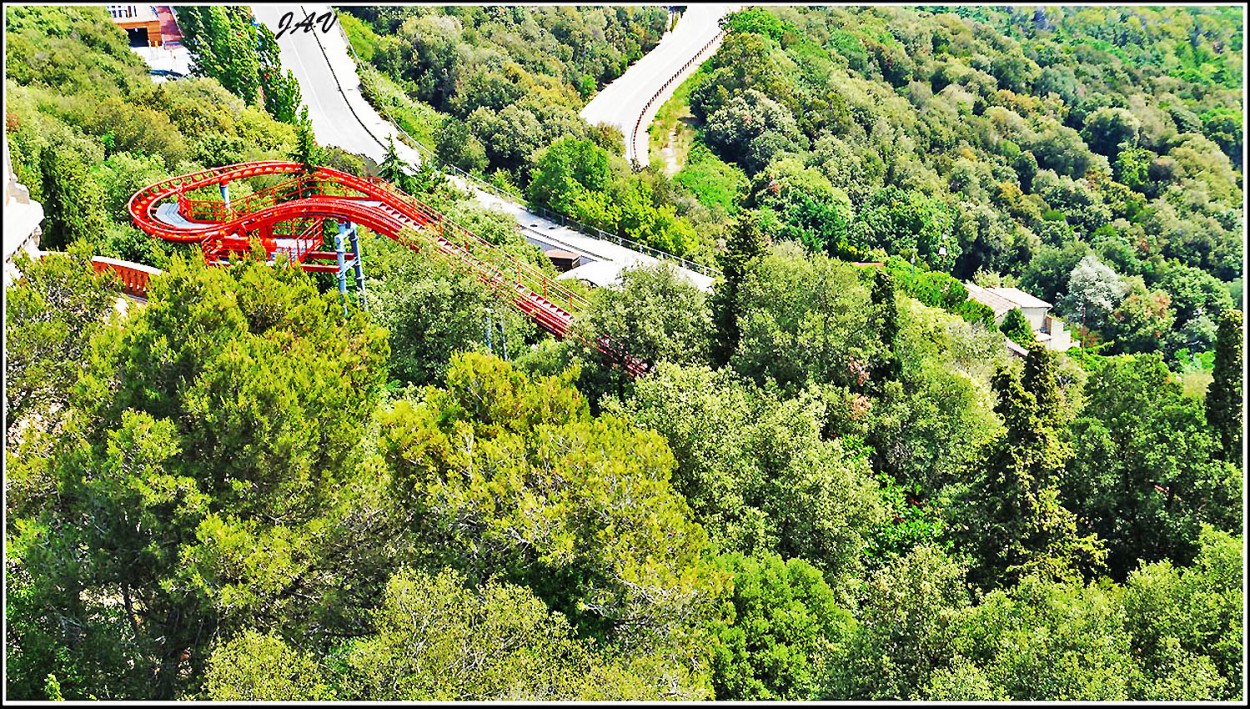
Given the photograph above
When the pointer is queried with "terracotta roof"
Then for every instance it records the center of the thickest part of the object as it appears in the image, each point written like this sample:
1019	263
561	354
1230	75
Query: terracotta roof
169	24
985	296
1015	349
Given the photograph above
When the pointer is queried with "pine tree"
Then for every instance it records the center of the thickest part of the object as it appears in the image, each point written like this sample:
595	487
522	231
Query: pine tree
393	170
428	178
745	244
1224	395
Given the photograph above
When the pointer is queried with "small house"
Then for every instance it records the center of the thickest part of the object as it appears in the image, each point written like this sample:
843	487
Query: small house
1048	329
141	23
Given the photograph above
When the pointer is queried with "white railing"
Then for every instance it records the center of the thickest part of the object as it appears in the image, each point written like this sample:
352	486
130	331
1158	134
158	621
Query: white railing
126	12
633	137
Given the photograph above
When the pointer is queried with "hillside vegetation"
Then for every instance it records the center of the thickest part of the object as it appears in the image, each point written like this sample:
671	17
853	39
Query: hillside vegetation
1023	142
1009	146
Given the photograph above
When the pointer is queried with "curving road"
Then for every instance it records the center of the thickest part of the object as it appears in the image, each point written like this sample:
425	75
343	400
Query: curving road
622	102
340	115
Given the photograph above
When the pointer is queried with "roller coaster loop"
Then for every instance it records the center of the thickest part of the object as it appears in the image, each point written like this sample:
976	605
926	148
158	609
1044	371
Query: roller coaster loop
288	217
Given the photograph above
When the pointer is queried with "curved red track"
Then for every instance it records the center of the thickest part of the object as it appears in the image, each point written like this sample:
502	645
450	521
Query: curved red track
287	218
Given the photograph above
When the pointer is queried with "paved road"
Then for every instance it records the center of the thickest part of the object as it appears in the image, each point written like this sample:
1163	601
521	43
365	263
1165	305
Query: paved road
341	116
624	100
331	89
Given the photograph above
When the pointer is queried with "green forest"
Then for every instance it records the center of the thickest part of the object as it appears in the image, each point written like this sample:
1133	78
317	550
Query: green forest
834	483
1023	142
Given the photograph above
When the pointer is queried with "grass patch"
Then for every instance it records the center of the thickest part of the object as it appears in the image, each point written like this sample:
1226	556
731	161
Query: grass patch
362	37
675	113
417	118
714	182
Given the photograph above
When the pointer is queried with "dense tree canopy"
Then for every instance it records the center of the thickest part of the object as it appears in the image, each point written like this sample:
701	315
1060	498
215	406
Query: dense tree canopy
784	630
755	471
609	567
197	425
514	77
1013	143
1147	469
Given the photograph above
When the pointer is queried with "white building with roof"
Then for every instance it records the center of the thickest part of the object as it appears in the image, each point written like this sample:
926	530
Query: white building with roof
21	220
1048	329
600	274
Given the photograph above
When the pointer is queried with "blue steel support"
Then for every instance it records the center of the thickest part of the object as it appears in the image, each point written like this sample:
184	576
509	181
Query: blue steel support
348	230
358	264
338	249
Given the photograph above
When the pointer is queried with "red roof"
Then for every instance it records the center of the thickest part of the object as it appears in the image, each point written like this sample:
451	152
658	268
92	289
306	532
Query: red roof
169	24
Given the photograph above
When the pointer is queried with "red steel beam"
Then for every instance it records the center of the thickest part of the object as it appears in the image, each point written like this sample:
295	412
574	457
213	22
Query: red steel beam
331	194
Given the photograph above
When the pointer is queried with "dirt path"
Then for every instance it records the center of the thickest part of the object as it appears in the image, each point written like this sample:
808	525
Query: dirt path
630	102
670	154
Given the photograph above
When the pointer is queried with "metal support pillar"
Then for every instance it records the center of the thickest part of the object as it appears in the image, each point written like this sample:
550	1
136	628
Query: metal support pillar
225	194
358	265
348	230
338	249
491	338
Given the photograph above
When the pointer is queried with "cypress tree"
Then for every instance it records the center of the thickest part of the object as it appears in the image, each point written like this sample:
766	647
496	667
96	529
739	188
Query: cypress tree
1016	327
224	44
746	243
306	150
883	298
279	88
886	365
1012	521
1041	381
1225	392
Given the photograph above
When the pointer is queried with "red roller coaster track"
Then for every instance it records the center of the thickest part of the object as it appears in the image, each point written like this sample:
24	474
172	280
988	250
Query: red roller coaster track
287	218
